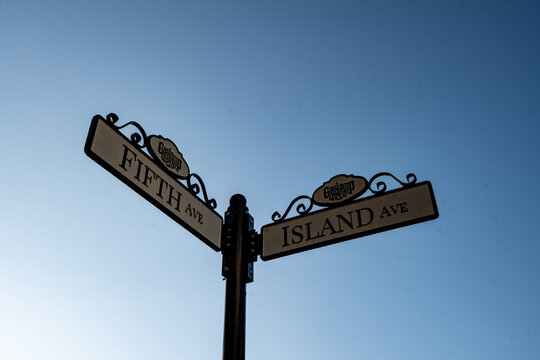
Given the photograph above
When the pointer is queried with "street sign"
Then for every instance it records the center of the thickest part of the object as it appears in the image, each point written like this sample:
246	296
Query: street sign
155	180
343	217
397	208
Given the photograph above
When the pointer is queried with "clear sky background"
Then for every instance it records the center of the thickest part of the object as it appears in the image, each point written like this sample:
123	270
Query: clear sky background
270	99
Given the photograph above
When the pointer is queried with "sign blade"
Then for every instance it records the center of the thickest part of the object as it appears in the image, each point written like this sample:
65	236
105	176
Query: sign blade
113	151
391	210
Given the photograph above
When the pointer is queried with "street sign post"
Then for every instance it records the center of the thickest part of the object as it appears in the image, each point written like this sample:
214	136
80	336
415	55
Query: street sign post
152	178
343	216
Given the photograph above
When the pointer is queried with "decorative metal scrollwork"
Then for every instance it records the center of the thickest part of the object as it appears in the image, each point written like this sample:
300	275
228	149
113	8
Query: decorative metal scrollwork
301	208
196	189
380	187
140	140
135	137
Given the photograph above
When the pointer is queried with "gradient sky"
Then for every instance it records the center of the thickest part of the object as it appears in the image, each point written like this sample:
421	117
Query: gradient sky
270	99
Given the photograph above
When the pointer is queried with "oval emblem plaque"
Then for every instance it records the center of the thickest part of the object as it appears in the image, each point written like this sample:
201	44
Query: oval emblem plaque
339	189
167	154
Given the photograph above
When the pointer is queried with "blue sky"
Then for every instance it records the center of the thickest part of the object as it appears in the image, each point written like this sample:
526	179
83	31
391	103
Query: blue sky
271	99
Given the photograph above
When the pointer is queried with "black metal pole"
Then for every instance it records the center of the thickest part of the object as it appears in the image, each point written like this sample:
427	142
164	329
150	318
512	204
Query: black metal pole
238	270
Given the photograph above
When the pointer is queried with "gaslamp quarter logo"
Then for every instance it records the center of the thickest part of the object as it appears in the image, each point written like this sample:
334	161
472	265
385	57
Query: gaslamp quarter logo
166	152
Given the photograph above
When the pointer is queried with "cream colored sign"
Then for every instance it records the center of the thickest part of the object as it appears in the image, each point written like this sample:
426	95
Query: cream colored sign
119	156
366	216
